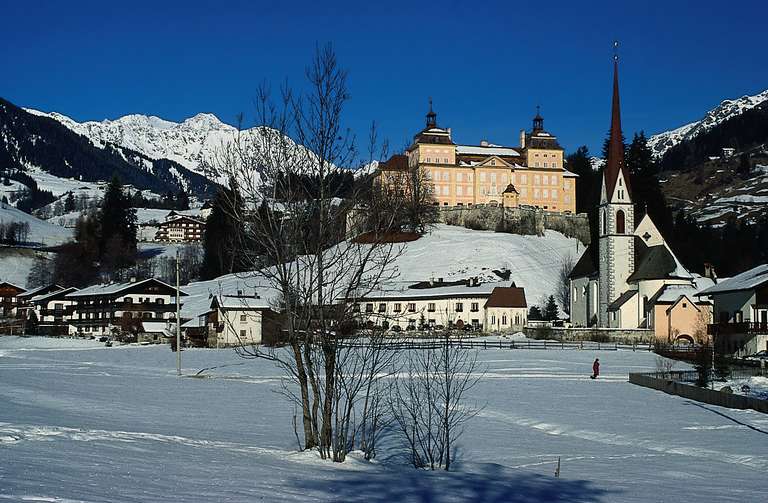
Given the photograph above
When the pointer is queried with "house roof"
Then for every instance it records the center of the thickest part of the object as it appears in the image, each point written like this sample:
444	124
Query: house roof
6	283
683	297
239	302
39	290
657	262
404	290
398	162
50	295
748	280
623	299
586	265
670	294
116	288
511	296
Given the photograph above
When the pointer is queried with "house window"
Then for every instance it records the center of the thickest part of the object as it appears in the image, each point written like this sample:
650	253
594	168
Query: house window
411	307
504	320
242	333
431	307
397	307
475	307
369	308
356	308
160	301
493	319
382	308
243	317
459	307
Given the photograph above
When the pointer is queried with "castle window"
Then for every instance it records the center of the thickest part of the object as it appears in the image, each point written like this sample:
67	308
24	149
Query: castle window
605	222
620	222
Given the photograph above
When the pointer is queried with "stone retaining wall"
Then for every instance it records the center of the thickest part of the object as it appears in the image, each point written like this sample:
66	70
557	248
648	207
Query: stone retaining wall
624	336
705	395
526	221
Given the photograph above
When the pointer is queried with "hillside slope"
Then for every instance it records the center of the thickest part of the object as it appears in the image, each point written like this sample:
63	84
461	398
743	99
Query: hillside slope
40	231
662	142
448	252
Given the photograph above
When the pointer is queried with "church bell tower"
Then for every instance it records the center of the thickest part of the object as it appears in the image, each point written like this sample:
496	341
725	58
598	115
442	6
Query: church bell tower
616	219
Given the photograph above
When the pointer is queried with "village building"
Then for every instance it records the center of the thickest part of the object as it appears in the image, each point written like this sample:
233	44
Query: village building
467	175
740	324
114	307
506	309
616	281
180	229
440	304
50	312
9	301
237	320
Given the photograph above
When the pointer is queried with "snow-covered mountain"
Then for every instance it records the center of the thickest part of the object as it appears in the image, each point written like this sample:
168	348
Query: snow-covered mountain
188	142
728	109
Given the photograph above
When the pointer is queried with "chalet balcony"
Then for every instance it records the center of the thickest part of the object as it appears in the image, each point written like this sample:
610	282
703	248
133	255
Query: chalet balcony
744	328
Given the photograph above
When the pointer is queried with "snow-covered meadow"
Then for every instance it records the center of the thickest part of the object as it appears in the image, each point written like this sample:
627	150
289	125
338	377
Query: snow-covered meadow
80	422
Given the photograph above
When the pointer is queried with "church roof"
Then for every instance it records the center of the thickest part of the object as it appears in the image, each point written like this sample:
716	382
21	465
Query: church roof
615	145
587	264
657	262
398	162
623	299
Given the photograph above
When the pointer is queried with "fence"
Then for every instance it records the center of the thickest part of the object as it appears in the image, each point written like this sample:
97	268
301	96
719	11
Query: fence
409	344
674	383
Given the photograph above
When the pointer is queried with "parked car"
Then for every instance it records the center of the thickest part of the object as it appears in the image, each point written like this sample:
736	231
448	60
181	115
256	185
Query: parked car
760	355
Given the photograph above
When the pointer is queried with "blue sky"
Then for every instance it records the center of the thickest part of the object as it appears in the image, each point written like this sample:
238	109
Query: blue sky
486	64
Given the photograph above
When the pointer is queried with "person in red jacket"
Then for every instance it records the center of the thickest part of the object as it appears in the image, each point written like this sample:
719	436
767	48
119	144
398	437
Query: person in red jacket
596	368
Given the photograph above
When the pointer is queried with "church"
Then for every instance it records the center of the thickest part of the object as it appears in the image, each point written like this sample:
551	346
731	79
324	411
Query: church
631	278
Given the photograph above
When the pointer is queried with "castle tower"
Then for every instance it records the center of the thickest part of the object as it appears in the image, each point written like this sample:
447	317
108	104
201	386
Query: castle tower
616	219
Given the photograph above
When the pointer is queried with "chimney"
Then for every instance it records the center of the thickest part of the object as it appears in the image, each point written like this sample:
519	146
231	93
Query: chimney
439	280
133	279
522	138
431	281
709	271
483	143
239	293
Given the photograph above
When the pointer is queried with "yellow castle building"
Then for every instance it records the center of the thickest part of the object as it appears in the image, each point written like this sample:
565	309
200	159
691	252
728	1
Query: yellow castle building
530	175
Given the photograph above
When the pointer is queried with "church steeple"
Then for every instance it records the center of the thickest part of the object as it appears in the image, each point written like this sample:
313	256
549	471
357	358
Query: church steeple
431	116
615	159
538	122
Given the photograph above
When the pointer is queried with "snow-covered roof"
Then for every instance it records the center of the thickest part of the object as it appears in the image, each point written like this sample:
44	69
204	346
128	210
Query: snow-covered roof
241	302
402	290
163	327
748	280
44	297
479	150
115	288
34	291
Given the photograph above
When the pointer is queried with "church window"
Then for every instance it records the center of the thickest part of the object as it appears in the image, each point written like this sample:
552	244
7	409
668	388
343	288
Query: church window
545	165
536	193
459	190
545	194
620	222
554	178
493	177
536	179
458	177
619	182
537	164
605	222
493	162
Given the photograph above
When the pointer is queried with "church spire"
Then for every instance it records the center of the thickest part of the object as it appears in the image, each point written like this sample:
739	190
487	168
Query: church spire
431	116
615	143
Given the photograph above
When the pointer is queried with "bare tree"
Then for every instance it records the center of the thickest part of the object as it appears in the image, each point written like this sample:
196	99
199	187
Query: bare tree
291	233
563	294
428	400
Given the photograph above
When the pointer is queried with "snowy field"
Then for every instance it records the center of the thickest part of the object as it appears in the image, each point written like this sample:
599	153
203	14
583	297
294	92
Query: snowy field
80	422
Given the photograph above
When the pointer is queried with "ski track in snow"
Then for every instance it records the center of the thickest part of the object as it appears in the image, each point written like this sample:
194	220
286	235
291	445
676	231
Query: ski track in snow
749	460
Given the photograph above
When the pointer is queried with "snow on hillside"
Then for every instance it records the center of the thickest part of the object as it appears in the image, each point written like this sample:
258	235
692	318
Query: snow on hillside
15	264
448	252
661	142
40	231
189	143
115	424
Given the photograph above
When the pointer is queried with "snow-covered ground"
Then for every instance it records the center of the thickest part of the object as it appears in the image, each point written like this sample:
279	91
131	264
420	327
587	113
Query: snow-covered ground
15	264
95	424
40	231
757	386
448	252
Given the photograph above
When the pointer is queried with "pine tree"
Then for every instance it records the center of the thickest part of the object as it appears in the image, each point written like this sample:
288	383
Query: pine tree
69	203
117	225
534	313
222	250
551	311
